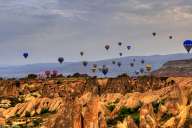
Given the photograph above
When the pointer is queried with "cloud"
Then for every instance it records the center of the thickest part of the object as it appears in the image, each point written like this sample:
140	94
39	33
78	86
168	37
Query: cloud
57	26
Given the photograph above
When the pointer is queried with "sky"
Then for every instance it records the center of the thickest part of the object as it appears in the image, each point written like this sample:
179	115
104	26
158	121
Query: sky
48	29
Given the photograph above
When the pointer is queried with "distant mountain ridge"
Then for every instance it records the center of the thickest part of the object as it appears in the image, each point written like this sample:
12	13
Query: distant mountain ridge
68	68
175	68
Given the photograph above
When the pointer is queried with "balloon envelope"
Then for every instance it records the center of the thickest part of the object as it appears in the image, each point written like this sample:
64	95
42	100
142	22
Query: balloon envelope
105	70
25	55
128	47
93	70
170	37
81	53
188	45
141	70
148	67
107	47
120	43
119	64
154	33
142	61
60	59
85	63
113	62
95	65
132	64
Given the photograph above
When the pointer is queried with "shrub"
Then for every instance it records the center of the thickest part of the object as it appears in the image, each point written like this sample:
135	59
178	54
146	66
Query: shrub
166	116
32	76
36	122
156	105
59	82
123	113
44	110
133	112
27	114
16	126
111	107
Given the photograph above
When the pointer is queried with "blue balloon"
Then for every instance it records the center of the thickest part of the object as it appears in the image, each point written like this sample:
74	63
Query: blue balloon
105	70
60	59
188	45
25	55
128	47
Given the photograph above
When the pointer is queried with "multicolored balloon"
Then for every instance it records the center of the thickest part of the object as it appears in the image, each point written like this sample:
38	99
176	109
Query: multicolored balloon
148	67
93	70
95	65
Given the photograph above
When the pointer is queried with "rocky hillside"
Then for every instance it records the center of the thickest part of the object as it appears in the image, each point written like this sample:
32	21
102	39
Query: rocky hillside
175	68
85	102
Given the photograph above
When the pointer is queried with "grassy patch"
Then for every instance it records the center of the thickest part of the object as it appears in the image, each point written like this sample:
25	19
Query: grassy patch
123	113
37	122
111	107
44	111
27	114
166	116
156	105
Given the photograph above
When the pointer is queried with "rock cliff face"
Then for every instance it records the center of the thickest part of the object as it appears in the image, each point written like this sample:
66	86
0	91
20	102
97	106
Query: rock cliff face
9	88
166	107
175	68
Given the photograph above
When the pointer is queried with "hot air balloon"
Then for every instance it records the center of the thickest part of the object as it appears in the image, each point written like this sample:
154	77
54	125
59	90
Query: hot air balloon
93	70
148	67
81	53
113	62
60	59
120	54
105	70
25	55
85	63
120	43
136	72
95	65
107	47
142	61
100	69
128	47
141	70
132	64
188	45
119	64
154	33
104	66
